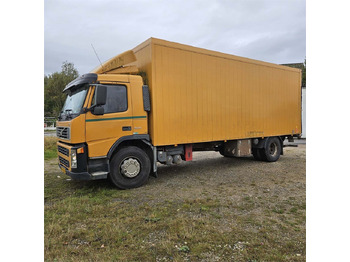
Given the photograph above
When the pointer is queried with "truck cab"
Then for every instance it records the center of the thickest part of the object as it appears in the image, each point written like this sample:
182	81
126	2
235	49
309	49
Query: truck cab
102	113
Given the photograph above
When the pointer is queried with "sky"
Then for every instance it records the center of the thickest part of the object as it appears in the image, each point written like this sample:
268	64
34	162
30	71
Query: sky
268	30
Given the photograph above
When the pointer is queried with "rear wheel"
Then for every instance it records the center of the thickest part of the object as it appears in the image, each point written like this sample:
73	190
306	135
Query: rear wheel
222	152
258	154
272	150
130	168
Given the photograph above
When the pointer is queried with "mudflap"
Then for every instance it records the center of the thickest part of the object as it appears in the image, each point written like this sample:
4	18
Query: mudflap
154	174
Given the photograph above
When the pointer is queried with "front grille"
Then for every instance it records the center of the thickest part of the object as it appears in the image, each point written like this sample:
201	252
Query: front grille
64	162
63	132
63	150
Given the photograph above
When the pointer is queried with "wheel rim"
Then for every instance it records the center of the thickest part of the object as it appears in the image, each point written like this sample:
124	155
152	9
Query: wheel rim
273	149
130	167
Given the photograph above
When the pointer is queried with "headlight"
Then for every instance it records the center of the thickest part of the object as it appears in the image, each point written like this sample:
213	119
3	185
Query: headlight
74	158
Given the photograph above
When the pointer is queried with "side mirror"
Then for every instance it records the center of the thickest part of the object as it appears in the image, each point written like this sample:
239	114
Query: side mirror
146	98
101	95
98	110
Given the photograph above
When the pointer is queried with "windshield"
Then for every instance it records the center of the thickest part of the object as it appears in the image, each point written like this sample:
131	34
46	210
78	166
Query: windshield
74	102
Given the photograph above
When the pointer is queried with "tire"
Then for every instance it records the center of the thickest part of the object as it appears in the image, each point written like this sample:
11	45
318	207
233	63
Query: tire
258	154
221	151
272	150
130	168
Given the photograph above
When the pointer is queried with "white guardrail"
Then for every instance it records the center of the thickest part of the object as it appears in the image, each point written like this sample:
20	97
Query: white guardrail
49	123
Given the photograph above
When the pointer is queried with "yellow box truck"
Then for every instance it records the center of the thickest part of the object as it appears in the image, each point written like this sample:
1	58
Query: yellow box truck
160	101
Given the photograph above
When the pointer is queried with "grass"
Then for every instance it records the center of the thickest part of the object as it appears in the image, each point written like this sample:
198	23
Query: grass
92	221
49	131
50	147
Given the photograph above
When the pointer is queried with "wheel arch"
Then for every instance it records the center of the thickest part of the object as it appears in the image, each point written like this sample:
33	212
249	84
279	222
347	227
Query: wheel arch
141	141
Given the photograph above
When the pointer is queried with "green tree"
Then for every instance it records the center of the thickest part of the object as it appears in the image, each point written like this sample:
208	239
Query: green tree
53	86
303	71
301	66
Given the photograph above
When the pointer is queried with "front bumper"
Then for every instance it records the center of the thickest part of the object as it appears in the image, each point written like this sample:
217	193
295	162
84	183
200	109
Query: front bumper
79	176
76	175
82	176
87	169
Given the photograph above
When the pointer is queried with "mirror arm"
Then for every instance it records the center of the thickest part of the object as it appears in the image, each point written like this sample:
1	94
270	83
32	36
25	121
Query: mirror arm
87	109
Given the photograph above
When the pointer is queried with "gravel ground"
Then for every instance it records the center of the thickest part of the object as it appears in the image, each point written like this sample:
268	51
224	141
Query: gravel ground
223	178
229	178
50	133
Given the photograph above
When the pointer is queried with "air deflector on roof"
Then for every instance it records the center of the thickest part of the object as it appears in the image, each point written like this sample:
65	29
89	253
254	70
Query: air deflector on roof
89	78
116	62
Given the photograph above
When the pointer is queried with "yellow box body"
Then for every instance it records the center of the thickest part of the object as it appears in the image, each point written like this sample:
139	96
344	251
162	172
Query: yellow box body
199	95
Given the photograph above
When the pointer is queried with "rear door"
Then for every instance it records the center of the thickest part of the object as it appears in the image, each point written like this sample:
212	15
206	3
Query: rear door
103	130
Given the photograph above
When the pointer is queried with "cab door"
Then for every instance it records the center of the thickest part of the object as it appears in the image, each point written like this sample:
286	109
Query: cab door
103	130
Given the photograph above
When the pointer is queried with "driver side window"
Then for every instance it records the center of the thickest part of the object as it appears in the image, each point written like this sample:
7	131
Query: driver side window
117	100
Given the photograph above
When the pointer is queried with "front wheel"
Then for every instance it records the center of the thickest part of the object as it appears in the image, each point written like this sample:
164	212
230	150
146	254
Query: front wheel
272	150
130	168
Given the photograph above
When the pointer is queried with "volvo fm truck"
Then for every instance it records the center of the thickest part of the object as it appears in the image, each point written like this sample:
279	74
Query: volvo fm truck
160	101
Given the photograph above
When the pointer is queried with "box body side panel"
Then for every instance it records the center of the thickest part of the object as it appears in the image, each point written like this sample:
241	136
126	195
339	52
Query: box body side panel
199	97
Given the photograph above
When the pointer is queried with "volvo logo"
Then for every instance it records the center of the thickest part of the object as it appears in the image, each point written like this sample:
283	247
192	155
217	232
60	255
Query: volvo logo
60	131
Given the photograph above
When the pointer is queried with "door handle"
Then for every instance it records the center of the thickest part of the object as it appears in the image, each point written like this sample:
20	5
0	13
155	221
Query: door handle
126	128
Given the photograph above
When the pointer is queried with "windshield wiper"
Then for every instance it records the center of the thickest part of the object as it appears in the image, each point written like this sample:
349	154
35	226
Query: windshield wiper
67	111
67	114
